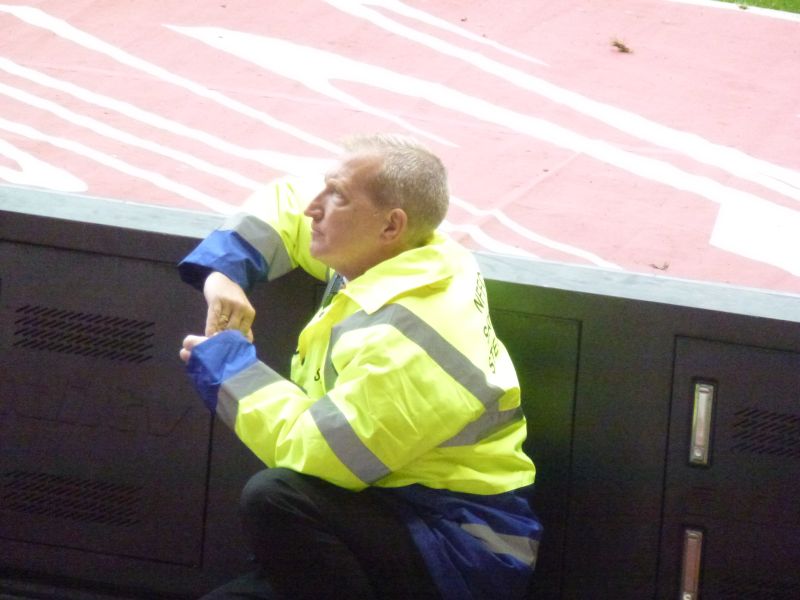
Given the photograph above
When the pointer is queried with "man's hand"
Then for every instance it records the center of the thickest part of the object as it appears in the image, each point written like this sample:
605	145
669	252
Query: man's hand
189	342
228	306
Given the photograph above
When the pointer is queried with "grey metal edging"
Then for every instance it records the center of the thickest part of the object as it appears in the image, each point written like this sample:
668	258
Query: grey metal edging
591	280
102	211
642	287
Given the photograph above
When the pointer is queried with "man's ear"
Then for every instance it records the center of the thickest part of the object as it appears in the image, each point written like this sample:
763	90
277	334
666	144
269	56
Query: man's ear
396	225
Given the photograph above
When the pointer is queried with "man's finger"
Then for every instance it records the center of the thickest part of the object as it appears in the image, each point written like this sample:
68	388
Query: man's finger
185	354
216	319
189	342
230	322
246	324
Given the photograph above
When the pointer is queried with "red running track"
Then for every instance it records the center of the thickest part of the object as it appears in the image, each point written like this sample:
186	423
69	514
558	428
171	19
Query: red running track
679	158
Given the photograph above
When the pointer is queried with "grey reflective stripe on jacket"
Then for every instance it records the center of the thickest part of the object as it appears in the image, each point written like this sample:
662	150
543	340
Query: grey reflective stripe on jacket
241	385
522	548
453	362
344	442
489	422
264	238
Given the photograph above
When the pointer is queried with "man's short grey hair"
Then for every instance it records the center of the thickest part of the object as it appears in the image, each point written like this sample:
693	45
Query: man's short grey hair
411	177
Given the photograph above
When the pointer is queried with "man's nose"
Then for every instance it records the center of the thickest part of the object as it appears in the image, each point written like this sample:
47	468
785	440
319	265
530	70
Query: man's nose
314	209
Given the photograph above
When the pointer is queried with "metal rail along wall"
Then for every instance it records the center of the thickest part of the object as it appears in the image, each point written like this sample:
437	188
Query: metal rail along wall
664	417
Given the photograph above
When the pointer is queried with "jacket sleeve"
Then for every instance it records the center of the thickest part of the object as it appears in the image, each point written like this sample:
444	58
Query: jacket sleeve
269	238
385	409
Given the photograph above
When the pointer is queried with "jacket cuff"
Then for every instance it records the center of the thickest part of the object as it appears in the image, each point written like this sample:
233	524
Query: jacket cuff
216	360
227	252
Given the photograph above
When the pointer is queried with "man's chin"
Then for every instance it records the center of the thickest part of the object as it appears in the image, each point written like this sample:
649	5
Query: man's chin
317	252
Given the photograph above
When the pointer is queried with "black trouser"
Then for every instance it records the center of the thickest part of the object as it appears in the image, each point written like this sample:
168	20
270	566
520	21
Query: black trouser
312	539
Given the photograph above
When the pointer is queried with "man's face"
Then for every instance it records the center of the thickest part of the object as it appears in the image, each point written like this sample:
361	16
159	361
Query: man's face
346	224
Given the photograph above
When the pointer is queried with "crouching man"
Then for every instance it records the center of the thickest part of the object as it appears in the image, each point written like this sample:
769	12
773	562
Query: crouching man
395	455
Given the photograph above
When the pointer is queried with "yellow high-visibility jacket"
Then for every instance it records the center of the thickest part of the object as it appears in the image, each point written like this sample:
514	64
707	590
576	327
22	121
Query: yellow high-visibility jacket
398	379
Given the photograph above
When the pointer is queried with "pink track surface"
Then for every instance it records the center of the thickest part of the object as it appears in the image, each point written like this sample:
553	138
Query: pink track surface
679	158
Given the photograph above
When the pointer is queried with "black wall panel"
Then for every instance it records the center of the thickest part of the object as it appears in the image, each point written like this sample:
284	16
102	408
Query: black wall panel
104	449
545	354
742	499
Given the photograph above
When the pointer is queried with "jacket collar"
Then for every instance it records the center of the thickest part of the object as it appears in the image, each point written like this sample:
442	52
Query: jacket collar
419	267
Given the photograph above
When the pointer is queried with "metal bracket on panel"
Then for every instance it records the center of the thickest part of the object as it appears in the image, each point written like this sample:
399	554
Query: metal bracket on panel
690	564
700	442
